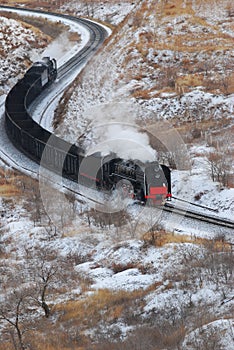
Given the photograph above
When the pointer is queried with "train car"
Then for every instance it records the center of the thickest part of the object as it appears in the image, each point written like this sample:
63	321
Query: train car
39	77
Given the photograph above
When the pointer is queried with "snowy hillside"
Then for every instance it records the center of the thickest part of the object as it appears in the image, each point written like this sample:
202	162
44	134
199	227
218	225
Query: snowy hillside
149	59
85	279
109	12
111	286
175	63
17	41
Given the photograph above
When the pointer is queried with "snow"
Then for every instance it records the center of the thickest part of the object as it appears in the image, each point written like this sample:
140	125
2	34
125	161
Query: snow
104	11
106	255
128	280
210	330
23	39
198	183
197	103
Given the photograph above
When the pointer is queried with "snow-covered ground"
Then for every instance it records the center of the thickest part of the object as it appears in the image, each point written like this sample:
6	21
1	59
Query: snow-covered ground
129	265
91	111
182	283
23	39
111	12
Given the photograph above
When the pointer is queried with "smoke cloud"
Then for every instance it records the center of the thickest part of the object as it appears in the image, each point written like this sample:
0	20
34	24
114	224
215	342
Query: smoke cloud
113	128
56	49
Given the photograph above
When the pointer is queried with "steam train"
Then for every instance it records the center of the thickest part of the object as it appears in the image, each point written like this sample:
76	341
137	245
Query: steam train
149	182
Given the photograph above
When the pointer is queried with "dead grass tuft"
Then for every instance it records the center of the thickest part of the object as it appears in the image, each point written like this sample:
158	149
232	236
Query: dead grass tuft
55	339
161	238
102	305
190	80
9	183
8	190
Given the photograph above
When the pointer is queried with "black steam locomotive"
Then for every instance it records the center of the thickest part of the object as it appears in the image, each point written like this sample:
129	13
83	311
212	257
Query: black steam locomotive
144	182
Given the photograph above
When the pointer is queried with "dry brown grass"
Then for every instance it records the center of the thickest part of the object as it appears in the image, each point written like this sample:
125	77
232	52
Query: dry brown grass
6	346
189	80
210	124
102	305
9	183
10	2
161	238
9	190
52	338
208	38
46	4
175	8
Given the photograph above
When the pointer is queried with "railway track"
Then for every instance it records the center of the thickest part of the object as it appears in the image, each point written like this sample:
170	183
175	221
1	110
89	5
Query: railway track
34	173
170	208
97	36
211	219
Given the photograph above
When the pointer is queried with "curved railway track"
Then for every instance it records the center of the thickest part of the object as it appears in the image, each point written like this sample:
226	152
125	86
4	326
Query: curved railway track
97	36
210	219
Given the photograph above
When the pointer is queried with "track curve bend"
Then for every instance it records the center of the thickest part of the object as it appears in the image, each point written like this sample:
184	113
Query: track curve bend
26	134
97	34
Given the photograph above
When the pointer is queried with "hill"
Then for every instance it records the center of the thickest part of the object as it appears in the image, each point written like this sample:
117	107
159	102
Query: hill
86	279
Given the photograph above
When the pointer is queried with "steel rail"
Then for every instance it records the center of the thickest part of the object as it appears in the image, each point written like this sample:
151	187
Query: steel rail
211	219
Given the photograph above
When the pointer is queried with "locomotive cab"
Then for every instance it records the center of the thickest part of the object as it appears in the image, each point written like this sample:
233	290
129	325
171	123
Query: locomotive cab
157	183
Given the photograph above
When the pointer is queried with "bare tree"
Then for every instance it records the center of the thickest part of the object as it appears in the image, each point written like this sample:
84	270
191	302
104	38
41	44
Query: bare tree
46	272
33	203
219	168
46	275
220	161
12	311
230	9
41	269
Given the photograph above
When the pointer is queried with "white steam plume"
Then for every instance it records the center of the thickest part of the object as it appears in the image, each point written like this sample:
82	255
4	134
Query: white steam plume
56	49
114	129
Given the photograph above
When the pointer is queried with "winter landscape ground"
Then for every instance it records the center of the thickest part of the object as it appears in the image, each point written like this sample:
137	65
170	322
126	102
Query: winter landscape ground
135	278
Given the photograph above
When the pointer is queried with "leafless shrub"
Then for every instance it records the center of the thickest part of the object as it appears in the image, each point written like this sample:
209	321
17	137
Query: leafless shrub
198	196
13	311
219	168
107	219
147	337
220	161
